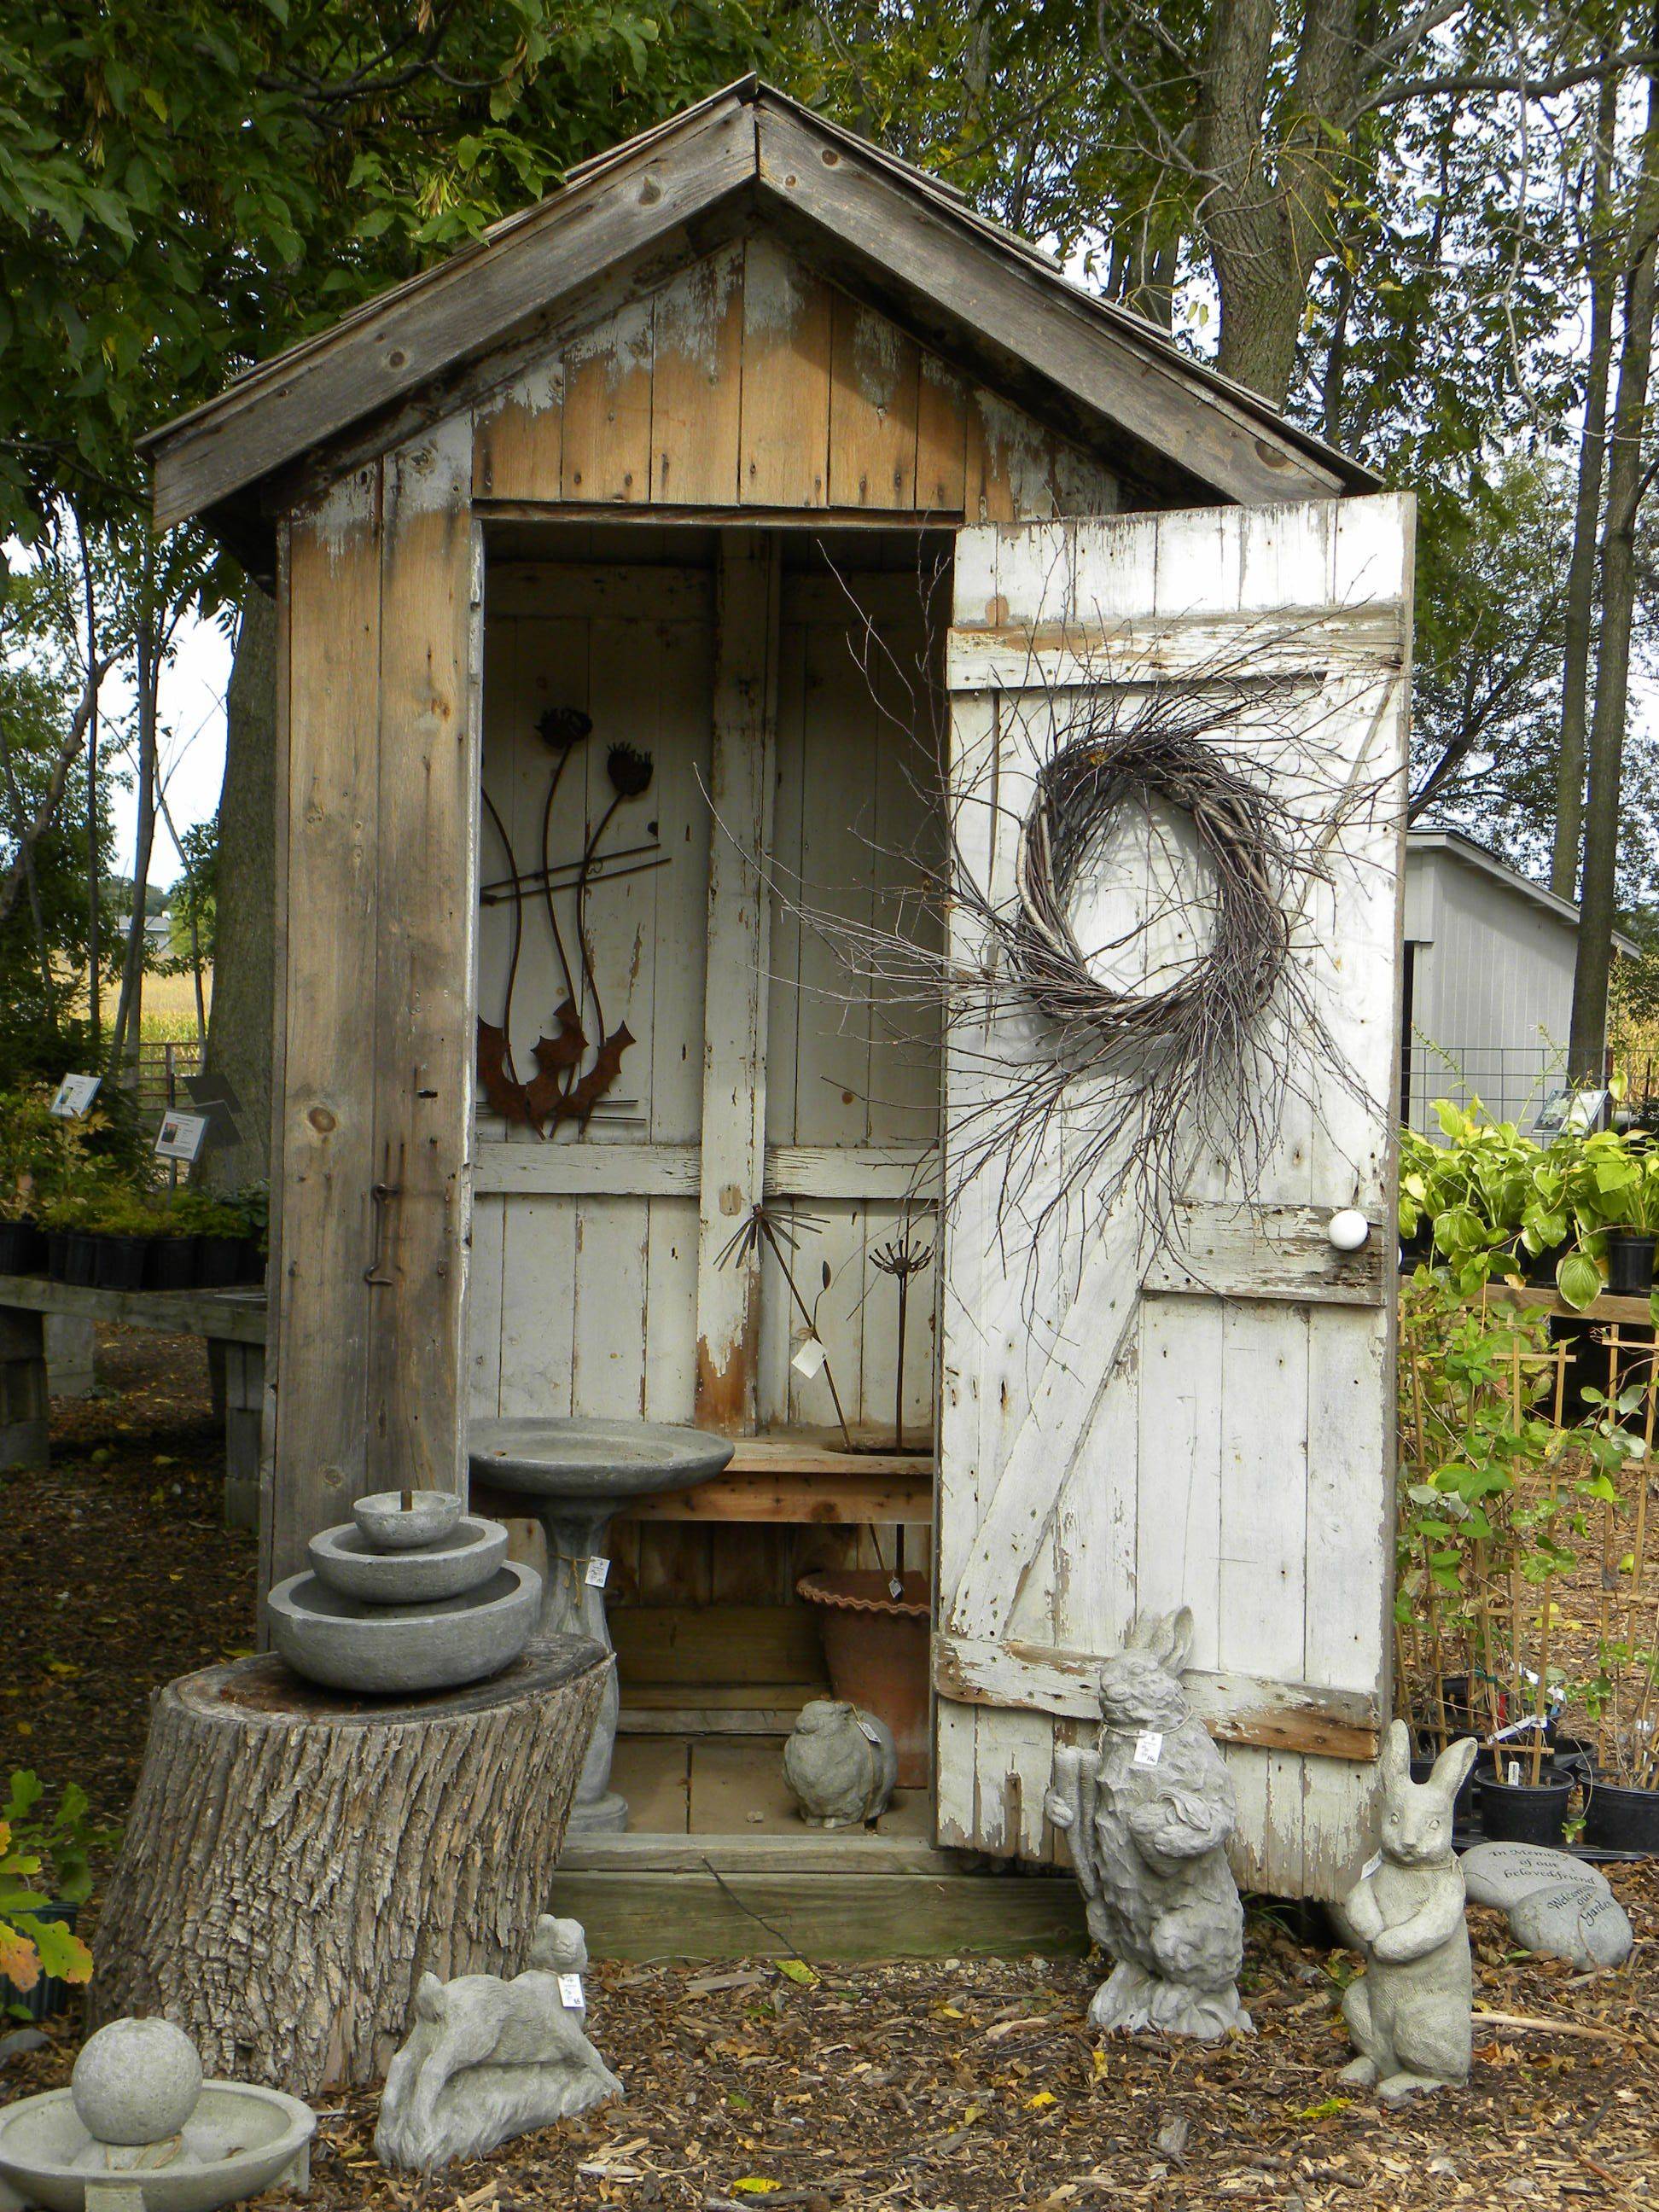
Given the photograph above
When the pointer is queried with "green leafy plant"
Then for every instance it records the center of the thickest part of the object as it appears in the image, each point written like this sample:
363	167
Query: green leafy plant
44	1155
199	1213
1496	1491
45	1861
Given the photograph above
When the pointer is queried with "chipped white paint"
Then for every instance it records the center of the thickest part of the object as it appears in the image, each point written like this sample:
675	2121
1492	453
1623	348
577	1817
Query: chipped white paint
433	474
540	387
1215	1432
624	344
876	359
343	516
1019	451
691	310
774	290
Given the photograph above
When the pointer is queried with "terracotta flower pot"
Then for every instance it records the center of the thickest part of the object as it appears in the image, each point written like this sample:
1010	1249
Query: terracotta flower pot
875	1646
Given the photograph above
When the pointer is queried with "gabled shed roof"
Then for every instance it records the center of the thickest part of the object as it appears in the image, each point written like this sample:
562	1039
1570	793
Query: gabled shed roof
962	283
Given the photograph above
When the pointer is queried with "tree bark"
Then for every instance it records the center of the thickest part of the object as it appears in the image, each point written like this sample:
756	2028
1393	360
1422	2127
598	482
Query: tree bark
240	1024
129	1016
1578	611
45	813
294	1862
1264	209
1626	481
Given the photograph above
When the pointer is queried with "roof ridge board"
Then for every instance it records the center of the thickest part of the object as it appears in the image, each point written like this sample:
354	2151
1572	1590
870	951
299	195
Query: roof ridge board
740	93
247	386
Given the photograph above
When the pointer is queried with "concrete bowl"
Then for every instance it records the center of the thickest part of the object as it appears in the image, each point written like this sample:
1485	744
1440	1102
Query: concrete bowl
346	1644
432	1515
343	1559
238	2140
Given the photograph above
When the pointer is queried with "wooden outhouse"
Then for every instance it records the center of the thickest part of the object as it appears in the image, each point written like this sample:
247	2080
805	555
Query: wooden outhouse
754	453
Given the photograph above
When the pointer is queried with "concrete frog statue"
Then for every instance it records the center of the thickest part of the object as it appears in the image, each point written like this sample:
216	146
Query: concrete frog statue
1149	1812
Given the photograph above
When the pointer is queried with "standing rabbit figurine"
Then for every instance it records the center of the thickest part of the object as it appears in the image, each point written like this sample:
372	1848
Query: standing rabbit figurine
1409	2014
1149	1812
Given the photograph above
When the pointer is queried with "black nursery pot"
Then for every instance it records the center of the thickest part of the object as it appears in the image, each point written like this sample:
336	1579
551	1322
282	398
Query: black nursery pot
1620	1820
120	1262
218	1262
172	1264
250	1267
1630	1262
79	1259
1525	1812
22	1248
49	1997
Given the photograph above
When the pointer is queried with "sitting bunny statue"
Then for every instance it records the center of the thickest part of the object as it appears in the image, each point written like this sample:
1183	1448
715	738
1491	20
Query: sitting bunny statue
489	2058
1149	1812
1409	2014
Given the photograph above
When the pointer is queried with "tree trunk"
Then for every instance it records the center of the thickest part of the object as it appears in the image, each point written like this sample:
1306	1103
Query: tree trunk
1578	613
1264	206
240	1025
295	1861
129	1009
1598	901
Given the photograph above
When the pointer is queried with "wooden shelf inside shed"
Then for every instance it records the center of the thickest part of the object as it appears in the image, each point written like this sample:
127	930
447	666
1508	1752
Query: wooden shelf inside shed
799	1478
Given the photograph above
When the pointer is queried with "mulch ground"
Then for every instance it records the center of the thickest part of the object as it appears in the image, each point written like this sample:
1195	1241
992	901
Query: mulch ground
951	2085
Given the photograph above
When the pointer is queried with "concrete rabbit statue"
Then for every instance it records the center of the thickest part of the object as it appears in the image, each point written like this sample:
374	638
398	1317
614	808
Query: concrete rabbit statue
1409	2014
1149	1812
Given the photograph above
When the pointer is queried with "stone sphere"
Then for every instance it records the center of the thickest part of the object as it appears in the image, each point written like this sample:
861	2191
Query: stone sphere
135	2081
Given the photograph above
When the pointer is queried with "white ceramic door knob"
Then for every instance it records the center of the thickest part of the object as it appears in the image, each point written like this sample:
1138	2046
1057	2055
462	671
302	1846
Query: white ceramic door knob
1348	1229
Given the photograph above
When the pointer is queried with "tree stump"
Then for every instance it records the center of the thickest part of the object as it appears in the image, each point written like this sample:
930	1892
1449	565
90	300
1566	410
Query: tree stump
295	1860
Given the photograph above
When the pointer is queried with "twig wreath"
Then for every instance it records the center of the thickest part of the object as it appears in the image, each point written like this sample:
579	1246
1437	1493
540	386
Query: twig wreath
1071	1087
1078	790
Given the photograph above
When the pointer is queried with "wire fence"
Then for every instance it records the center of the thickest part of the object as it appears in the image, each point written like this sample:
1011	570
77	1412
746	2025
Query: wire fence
163	1064
1511	1081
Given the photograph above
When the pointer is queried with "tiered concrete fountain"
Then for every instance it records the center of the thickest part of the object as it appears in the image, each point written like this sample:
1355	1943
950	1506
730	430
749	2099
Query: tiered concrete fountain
410	1594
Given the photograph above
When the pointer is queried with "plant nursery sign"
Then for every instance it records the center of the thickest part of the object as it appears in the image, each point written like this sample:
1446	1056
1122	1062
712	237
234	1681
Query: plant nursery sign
75	1094
181	1136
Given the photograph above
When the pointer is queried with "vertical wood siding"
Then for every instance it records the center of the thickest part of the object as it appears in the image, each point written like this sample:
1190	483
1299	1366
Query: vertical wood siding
750	381
374	1045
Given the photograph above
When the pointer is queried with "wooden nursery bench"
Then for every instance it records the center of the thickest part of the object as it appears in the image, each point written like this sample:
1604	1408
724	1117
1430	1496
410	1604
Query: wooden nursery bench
232	1322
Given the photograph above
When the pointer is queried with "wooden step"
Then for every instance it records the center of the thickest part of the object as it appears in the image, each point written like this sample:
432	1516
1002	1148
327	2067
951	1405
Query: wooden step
746	1897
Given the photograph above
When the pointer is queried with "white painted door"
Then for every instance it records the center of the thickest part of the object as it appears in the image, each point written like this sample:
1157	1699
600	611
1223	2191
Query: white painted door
1211	1425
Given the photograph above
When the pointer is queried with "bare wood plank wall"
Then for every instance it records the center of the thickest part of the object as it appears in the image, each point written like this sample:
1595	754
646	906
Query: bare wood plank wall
374	1051
747	381
750	381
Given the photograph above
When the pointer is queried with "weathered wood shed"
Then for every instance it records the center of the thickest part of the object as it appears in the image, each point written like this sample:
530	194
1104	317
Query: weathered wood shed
762	451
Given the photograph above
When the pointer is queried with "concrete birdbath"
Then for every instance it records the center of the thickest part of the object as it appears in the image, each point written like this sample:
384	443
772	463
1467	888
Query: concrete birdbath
575	1476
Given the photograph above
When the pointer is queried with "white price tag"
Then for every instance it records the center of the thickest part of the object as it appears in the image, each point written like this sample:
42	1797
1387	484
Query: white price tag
570	1992
181	1136
1149	1747
809	1357
1514	1777
1373	1865
596	1573
894	1587
75	1094
869	1728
